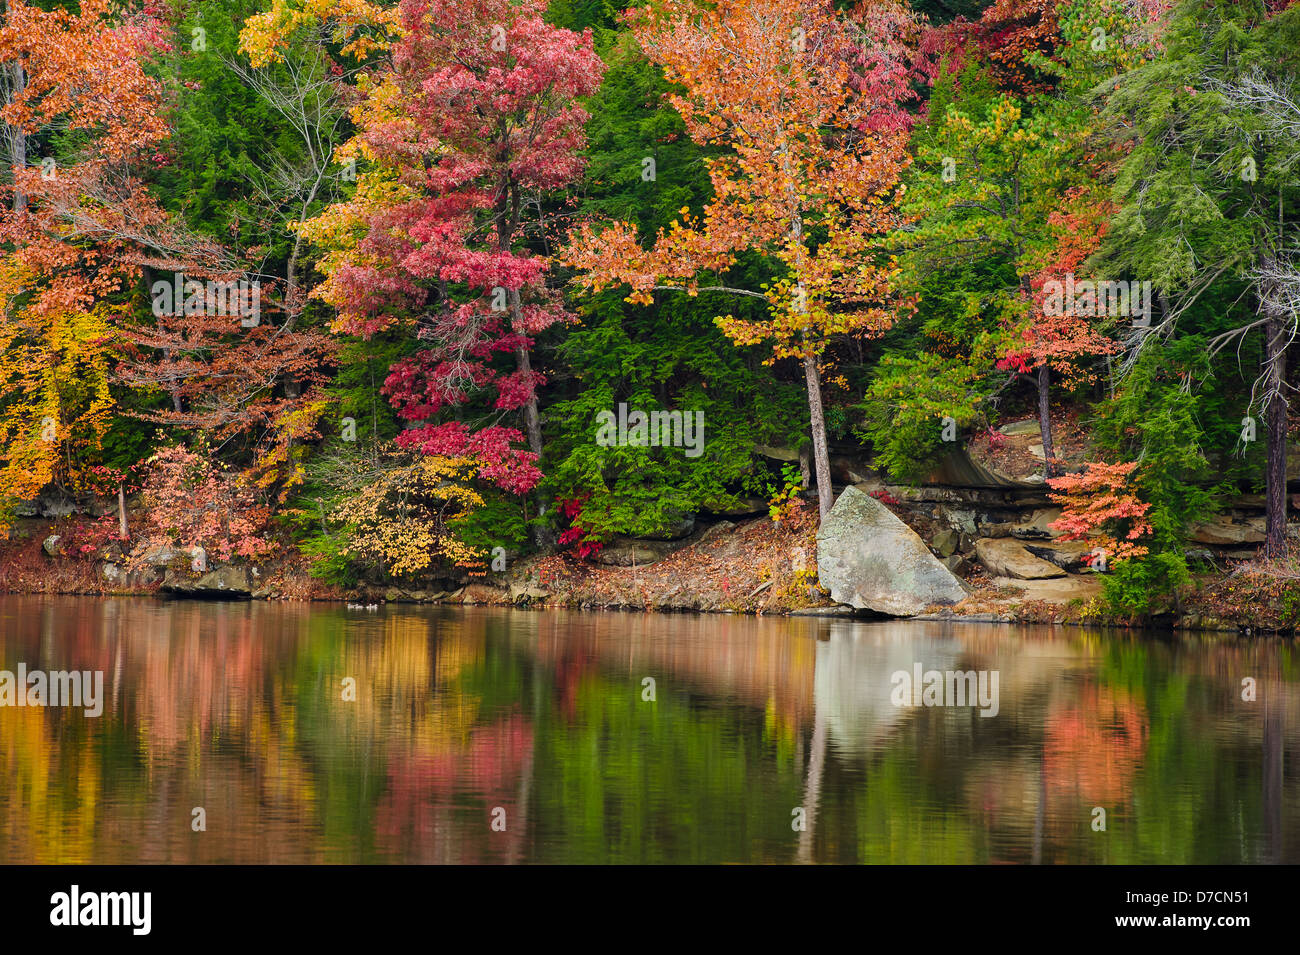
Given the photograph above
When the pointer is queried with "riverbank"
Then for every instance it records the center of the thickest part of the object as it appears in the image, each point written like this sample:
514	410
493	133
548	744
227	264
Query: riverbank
744	567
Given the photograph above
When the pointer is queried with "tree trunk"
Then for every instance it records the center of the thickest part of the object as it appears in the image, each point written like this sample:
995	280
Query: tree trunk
532	420
507	216
542	536
292	389
821	458
1044	418
816	417
1275	422
121	510
17	138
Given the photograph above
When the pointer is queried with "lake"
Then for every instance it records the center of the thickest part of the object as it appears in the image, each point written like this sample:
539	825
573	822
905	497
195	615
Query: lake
310	733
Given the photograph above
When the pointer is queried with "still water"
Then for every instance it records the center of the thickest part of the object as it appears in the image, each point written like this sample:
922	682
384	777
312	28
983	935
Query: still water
484	735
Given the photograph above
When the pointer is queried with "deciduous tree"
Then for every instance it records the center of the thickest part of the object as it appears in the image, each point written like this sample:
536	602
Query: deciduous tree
808	175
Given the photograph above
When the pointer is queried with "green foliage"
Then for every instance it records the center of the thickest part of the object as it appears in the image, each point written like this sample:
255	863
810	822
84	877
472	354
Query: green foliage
905	407
221	128
1146	585
1189	214
669	356
328	560
1183	422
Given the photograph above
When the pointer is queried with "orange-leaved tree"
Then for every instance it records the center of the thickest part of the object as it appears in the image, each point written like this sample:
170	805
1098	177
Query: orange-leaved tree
1100	506
67	230
804	105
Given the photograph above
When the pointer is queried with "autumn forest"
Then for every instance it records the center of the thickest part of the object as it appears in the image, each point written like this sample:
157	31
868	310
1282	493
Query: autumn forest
394	297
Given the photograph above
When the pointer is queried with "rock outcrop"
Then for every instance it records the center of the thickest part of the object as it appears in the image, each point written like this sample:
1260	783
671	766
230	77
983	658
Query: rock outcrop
1061	590
1225	532
1006	557
229	582
871	560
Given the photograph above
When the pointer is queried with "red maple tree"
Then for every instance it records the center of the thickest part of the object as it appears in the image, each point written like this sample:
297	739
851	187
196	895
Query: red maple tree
476	117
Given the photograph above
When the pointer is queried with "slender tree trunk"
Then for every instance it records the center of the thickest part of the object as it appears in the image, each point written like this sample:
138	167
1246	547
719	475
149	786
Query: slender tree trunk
507	224
173	386
17	138
532	420
292	388
121	510
507	216
1275	422
1045	419
817	418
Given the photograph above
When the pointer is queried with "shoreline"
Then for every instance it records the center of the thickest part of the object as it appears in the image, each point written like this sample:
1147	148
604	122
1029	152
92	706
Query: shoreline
750	567
835	611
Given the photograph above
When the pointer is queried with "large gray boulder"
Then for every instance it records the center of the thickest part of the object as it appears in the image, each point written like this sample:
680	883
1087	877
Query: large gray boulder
868	558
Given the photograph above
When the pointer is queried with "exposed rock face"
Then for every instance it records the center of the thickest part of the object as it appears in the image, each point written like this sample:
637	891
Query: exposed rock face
230	582
1004	557
1223	532
51	545
674	528
159	556
944	541
1028	426
640	551
480	594
868	558
1059	591
958	469
527	593
1068	555
745	507
1037	525
57	508
630	552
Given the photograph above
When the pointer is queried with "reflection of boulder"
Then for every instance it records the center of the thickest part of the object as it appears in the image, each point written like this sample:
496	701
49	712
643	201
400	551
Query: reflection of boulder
868	558
852	685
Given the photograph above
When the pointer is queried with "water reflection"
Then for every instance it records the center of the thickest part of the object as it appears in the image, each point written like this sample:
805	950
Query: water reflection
767	740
